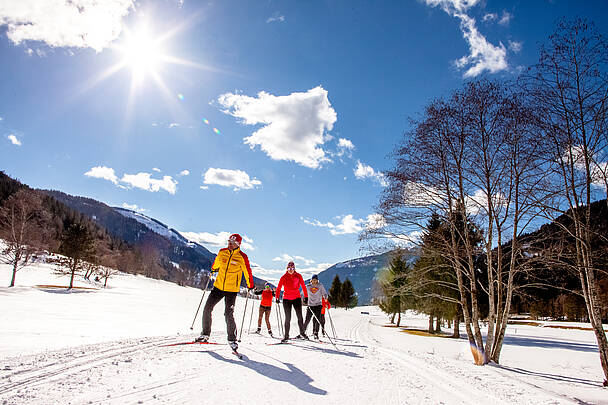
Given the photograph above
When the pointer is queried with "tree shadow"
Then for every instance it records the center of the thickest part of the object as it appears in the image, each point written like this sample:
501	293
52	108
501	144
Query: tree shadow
292	375
549	376
529	341
323	349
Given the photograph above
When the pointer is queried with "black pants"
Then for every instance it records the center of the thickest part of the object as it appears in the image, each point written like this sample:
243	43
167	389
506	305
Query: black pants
297	306
216	296
317	312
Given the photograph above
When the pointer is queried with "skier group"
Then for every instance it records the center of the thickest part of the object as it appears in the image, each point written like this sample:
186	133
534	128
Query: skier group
231	264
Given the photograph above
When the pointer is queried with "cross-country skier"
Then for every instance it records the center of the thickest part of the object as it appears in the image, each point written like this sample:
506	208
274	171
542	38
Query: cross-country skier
316	295
326	305
230	263
265	307
292	281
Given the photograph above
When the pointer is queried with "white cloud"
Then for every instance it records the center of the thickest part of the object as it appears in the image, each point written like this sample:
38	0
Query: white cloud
421	195
60	23
273	275
515	46
103	172
145	181
275	17
286	258
483	55
345	144
174	124
348	224
156	169
490	17
294	127
184	173
506	18
204	187
216	240
363	171
133	207
230	178
14	140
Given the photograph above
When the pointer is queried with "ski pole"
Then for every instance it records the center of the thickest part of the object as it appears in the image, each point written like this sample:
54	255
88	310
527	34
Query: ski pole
251	318
199	304
280	318
332	324
244	314
332	342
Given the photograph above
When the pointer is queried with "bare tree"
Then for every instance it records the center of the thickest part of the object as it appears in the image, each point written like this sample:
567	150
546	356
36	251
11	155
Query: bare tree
22	226
569	86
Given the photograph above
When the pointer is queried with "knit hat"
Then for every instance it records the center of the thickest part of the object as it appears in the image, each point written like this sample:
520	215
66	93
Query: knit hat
291	265
236	239
315	277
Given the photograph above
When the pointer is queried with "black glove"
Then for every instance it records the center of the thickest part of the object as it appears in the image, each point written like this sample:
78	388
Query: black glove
250	288
277	300
305	300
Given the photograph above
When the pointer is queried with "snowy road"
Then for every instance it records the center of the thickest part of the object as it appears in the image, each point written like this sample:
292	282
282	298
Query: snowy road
371	367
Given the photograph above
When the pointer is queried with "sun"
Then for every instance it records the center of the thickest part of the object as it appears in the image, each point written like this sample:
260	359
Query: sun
142	53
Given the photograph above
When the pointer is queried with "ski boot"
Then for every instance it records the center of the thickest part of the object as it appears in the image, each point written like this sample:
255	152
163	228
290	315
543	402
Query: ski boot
202	339
258	331
315	336
302	336
233	345
285	340
270	333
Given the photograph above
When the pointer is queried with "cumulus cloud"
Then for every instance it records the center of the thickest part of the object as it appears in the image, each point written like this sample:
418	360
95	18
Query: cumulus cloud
482	54
286	258
274	274
216	241
363	171
184	173
294	127
62	23
140	180
145	181
348	224
14	140
238	179
103	172
156	169
133	207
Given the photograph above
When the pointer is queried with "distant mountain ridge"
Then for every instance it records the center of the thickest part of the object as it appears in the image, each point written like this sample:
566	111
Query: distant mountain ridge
362	272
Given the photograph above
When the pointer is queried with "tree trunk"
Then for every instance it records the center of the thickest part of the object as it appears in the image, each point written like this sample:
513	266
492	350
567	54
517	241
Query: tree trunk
399	319
73	272
14	274
393	317
431	330
438	324
456	333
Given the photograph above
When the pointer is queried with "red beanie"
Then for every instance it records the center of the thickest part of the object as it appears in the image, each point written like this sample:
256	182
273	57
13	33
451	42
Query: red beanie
236	238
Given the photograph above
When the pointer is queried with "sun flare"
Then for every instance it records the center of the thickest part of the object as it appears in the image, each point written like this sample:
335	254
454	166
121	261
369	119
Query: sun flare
142	53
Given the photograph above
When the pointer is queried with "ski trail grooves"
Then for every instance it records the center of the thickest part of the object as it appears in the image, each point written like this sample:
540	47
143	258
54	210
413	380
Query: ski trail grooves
40	374
453	386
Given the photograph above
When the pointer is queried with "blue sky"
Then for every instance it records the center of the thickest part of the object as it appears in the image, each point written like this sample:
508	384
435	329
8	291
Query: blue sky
119	101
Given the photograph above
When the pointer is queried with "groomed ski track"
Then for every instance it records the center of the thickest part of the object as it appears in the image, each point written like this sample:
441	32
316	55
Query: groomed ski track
371	367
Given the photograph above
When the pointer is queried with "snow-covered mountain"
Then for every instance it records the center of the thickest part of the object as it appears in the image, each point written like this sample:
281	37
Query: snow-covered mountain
362	272
152	223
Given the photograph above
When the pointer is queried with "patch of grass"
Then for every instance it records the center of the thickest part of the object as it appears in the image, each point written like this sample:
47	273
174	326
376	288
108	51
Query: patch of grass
425	333
50	286
528	323
567	327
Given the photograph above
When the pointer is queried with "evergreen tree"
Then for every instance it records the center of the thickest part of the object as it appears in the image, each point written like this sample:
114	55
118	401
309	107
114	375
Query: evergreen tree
348	296
78	245
335	296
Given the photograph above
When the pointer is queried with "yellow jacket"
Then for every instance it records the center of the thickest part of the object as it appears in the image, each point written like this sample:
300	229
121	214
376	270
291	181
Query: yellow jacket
230	265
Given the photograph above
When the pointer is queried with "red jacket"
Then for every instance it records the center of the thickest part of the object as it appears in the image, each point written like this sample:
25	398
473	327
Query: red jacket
267	298
292	284
326	305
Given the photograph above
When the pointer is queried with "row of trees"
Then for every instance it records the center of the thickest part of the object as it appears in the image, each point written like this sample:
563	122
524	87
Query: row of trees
32	223
484	165
342	294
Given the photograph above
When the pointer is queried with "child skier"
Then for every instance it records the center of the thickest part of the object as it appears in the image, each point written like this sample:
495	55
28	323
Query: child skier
316	295
265	307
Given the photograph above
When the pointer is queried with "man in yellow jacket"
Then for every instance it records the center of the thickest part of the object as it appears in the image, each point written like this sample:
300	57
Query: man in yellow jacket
230	264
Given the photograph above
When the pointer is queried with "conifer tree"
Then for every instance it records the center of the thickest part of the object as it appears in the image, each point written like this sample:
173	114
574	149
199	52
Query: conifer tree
335	297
